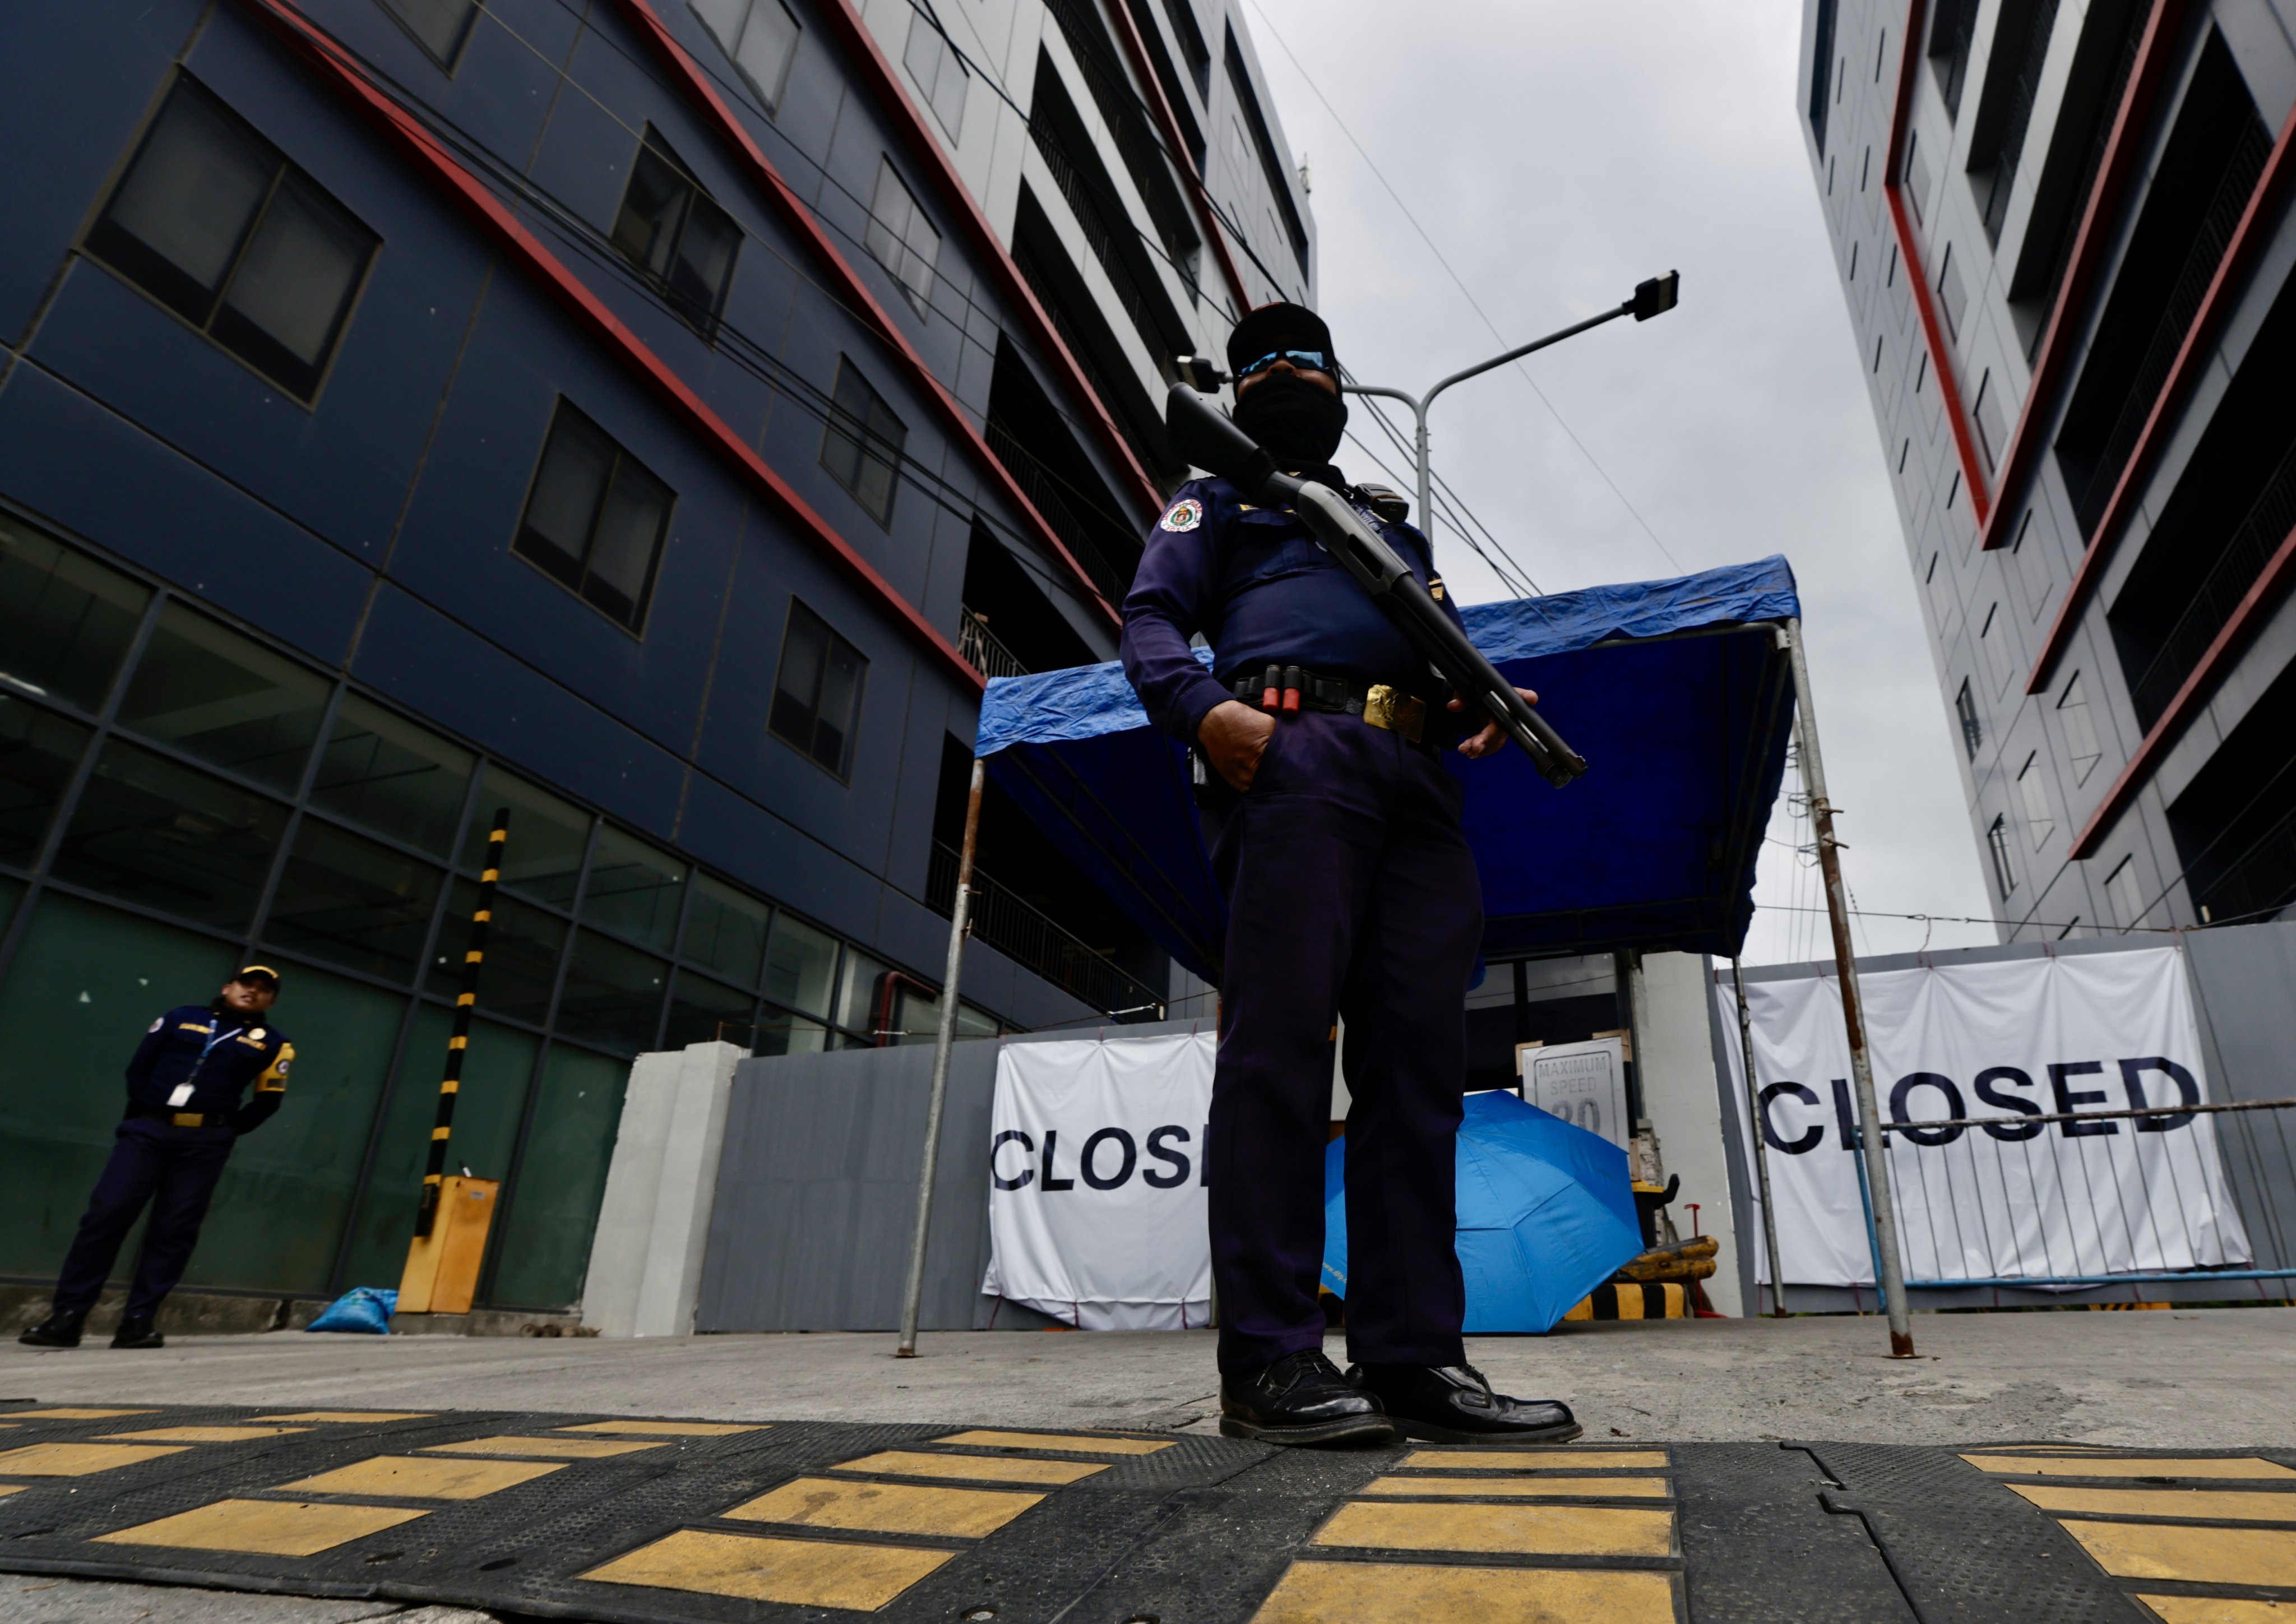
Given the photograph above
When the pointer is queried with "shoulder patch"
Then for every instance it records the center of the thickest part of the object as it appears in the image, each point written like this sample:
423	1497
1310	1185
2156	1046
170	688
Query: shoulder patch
156	1025
1185	515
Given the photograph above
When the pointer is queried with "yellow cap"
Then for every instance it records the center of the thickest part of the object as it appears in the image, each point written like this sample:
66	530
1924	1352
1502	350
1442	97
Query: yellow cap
249	971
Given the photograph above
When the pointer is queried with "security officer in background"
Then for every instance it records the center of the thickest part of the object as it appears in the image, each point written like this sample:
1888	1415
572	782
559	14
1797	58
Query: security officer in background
185	1113
1334	830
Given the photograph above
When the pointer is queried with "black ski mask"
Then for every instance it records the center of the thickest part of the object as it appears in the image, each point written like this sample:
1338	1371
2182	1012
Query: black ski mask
1300	422
1297	422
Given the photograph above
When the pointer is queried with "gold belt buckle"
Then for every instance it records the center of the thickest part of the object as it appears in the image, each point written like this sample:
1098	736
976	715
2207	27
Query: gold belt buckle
190	1118
1401	713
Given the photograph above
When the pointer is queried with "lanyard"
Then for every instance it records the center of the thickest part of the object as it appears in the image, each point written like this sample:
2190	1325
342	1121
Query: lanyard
220	1036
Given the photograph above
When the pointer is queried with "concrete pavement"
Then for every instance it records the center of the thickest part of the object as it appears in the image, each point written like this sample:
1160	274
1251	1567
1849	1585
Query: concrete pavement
2189	1379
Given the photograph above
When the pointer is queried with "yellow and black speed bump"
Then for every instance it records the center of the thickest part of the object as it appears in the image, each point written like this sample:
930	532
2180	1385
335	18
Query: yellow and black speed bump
669	1522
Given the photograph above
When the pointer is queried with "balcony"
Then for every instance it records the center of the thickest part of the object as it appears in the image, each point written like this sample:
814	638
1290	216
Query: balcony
1026	936
981	650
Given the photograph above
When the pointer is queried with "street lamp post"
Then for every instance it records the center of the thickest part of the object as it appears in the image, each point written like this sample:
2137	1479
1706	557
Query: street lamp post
1655	296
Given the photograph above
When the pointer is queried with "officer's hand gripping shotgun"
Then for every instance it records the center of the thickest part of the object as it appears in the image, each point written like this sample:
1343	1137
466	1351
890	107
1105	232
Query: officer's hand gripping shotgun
1206	438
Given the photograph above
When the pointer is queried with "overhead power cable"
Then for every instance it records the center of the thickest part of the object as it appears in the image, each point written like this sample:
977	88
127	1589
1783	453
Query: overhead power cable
1520	370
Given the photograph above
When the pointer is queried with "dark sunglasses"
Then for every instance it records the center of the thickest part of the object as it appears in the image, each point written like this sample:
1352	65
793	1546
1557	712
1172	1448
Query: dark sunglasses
1310	360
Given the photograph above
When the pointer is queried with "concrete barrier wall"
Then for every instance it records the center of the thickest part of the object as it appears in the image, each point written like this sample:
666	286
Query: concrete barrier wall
816	1190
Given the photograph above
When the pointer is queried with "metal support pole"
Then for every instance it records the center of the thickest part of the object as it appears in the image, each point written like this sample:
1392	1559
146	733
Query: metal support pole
1761	1148
458	1044
1853	1004
959	922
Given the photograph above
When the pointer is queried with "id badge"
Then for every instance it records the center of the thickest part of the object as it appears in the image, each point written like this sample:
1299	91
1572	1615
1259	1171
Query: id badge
181	1097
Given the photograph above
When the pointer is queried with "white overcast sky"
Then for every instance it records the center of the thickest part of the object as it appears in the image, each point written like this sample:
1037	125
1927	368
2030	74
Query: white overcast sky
1557	152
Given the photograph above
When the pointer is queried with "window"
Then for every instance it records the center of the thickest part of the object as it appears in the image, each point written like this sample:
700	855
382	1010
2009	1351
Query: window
1916	177
1997	843
939	72
635	889
203	689
673	232
761	37
725	930
1972	731
438	26
65	620
817	696
2036	796
1952	30
1991	437
381	771
2120	891
596	519
862	448
903	240
2080	730
39	751
2032	557
350	901
214	224
801	966
1994	638
163	836
1821	64
1953	302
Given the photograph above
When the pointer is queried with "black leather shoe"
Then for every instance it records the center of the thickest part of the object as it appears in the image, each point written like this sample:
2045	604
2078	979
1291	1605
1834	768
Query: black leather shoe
56	1330
1453	1404
1301	1398
138	1334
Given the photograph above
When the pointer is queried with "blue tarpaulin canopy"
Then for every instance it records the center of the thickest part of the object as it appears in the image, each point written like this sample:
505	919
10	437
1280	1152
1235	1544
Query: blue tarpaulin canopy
1677	692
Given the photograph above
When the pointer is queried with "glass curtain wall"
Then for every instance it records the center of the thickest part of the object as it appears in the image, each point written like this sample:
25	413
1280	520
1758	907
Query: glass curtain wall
177	797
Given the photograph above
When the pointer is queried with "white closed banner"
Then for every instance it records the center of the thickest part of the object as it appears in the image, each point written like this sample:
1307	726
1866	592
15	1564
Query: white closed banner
2005	1199
1096	1182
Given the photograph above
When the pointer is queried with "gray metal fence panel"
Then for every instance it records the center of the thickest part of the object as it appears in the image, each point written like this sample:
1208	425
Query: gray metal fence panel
816	1190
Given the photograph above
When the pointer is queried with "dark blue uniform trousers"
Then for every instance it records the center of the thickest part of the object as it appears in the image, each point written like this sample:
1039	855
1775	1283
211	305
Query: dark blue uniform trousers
175	1170
1350	889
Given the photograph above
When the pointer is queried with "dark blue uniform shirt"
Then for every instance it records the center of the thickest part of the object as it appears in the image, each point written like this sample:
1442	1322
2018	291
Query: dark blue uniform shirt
1263	591
215	1057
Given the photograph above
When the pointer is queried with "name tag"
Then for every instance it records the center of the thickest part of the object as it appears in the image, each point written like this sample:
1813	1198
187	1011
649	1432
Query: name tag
180	1096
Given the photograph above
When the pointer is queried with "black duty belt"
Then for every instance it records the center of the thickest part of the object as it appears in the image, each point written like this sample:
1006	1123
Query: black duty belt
1290	689
177	1119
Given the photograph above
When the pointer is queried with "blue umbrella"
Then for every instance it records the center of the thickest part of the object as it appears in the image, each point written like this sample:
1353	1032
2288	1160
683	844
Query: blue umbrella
1545	1214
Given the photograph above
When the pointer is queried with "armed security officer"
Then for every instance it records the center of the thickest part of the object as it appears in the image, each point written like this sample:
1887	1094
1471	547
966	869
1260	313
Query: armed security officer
184	1115
1334	830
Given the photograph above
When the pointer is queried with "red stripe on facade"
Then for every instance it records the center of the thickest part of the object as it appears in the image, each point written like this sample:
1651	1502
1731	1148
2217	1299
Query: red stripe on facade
2059	340
2247	237
1136	49
2258	602
846	24
481	205
1941	367
697	86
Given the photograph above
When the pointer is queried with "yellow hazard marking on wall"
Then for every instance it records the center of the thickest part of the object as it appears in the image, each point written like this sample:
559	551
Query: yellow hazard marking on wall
78	1460
573	1448
1080	1443
1535	1460
266	1527
2219	1504
887	1508
1546	1531
670	1429
1539	1488
799	1572
2204	1555
418	1478
989	1468
1386	1593
203	1435
67	1412
9	1488
2125	1466
2217	1609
